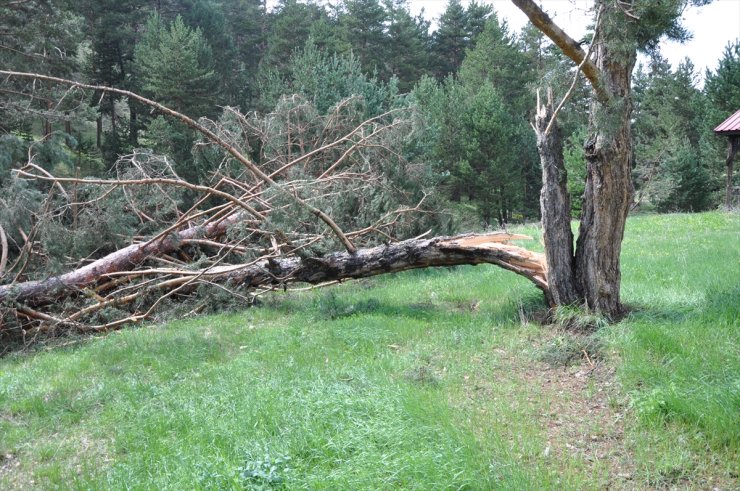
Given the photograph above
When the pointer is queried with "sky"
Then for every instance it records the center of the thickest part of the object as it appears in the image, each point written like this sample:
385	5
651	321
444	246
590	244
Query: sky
713	25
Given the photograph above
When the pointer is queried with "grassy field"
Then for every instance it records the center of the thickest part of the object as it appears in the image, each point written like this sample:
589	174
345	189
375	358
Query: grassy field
426	380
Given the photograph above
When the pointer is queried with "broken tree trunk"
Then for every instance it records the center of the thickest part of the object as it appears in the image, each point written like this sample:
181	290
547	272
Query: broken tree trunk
492	248
555	207
58	287
608	150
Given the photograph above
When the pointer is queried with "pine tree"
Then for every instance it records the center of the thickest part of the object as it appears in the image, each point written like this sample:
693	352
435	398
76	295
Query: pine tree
408	53
723	84
450	39
669	110
723	91
175	66
363	24
246	22
42	37
458	31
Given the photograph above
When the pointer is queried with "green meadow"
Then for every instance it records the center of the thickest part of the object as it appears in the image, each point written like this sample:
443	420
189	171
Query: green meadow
428	380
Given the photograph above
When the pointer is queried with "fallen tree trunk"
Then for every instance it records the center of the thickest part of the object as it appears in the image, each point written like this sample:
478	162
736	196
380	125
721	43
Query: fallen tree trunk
491	248
473	249
55	288
274	249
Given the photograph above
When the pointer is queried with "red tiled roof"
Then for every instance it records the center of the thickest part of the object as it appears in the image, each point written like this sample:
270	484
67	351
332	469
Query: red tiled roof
730	125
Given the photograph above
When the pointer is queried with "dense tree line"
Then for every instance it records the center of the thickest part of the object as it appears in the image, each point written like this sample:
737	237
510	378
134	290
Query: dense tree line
465	92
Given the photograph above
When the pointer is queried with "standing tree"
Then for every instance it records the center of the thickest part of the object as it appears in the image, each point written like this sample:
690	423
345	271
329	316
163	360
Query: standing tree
669	118
408	53
592	274
45	37
364	26
175	66
458	31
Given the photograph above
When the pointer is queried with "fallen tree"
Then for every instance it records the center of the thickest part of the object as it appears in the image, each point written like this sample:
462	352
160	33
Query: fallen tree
253	227
272	272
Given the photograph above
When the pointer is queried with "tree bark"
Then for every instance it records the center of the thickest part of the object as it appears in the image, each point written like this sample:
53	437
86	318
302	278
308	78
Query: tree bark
99	131
401	256
133	124
555	208
410	254
609	189
57	287
608	152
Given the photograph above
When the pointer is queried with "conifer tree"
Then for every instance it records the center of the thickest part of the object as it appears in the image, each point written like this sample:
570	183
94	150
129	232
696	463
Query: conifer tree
363	24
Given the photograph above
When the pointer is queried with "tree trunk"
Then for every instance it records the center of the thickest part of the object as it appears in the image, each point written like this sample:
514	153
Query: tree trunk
99	131
555	208
608	152
400	256
67	123
57	287
732	148
410	254
608	194
133	124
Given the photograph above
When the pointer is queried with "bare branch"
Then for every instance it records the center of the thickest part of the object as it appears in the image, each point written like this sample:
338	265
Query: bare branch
575	76
210	135
3	251
147	182
570	47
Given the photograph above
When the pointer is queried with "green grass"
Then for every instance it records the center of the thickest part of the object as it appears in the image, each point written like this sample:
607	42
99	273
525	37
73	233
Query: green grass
404	382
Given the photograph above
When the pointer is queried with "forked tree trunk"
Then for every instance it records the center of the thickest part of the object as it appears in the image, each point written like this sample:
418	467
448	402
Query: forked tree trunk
608	150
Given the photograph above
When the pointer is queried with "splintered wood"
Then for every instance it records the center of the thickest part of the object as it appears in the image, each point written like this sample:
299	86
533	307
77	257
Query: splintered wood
263	274
529	263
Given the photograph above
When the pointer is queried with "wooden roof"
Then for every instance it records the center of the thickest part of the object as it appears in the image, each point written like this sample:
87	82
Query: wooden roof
729	126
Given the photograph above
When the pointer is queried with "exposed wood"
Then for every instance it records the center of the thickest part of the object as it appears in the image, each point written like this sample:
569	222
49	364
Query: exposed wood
401	256
608	152
131	282
3	251
411	254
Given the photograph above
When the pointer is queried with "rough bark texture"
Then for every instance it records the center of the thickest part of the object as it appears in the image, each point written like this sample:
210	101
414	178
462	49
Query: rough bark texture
411	254
555	208
608	153
609	190
391	258
52	289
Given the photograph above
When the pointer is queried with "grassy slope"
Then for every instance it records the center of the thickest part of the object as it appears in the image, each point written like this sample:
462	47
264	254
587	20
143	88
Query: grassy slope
424	380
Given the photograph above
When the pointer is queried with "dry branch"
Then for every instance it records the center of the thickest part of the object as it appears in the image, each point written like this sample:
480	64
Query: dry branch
213	137
237	229
3	251
570	47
